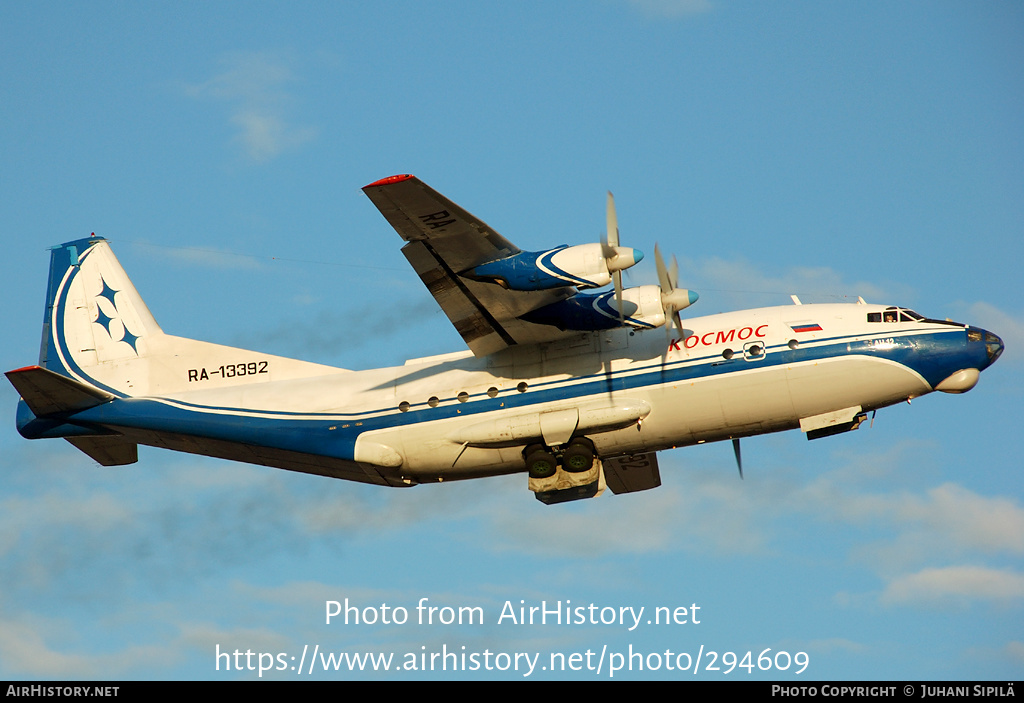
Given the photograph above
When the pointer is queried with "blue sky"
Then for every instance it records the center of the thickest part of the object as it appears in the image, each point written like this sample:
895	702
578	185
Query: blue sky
825	149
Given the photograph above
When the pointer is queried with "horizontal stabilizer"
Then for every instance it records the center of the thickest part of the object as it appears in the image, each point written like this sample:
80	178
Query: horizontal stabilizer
107	451
49	393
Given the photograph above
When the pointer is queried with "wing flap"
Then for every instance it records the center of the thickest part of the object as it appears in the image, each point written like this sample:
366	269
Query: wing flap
472	320
628	474
444	240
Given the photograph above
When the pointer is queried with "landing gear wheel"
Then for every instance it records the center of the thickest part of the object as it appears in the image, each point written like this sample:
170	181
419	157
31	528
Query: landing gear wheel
578	456
540	462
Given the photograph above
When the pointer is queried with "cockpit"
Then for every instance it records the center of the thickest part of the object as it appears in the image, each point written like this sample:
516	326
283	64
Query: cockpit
993	344
894	314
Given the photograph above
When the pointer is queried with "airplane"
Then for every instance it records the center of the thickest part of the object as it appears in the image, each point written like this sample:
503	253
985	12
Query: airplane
575	385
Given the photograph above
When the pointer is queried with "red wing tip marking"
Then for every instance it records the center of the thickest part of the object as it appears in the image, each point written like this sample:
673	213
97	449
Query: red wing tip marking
24	368
390	179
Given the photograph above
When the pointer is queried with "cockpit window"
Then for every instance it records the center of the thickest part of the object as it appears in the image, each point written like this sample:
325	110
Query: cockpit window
894	314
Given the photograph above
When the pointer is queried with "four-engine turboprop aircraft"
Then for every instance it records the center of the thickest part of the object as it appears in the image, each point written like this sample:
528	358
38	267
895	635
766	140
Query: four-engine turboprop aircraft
577	389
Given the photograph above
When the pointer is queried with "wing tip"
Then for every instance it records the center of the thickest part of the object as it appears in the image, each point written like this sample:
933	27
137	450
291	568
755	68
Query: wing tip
23	369
390	179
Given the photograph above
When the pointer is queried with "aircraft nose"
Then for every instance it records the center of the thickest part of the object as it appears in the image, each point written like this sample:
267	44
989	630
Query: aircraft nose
993	344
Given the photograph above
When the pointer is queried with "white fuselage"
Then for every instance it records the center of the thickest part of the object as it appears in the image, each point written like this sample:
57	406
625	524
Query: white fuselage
456	416
109	379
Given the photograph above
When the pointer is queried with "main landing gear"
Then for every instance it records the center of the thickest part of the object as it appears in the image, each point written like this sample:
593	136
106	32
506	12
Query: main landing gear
570	472
576	457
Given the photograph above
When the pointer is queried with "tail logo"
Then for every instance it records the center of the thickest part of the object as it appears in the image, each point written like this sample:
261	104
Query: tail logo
106	320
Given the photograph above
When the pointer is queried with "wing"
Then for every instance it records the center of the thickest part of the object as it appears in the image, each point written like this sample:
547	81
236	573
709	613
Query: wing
443	241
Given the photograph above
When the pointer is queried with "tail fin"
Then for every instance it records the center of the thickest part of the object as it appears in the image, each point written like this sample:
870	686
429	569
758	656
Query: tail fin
96	329
101	344
99	332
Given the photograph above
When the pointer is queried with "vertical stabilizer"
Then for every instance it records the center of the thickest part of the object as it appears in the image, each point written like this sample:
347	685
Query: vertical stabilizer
96	327
99	332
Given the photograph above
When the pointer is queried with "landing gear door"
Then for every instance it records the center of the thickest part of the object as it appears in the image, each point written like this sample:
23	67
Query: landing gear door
636	472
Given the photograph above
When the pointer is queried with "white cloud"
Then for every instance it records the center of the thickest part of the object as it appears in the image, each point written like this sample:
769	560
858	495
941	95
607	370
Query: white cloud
525	526
25	652
211	258
946	521
727	284
1015	651
93	513
254	85
954	584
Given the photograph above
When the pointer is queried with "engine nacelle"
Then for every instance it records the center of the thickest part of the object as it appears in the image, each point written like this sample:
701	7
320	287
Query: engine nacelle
583	266
641	308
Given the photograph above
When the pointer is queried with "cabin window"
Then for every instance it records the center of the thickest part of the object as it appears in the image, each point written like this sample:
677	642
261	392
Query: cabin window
463	396
522	387
404	406
492	392
433	401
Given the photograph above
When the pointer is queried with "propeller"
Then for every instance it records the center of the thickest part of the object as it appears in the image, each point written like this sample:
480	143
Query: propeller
673	299
617	258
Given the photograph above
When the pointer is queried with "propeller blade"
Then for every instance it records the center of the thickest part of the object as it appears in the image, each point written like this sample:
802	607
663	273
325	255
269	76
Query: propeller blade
663	280
612	239
610	250
666	290
739	458
617	279
673	299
